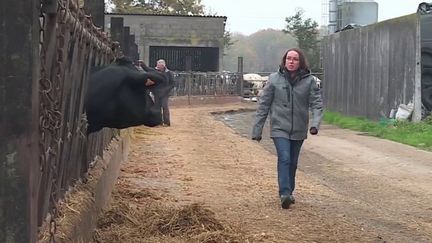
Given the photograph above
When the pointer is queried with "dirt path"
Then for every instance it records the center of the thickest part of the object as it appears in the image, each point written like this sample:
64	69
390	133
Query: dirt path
351	188
386	186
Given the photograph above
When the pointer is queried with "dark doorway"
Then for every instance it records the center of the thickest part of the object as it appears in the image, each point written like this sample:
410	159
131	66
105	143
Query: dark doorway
204	59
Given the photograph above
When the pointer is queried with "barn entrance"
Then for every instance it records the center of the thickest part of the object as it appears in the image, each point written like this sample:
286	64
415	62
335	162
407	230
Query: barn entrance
203	59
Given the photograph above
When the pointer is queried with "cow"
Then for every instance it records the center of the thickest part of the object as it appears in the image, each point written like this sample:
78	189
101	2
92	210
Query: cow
120	96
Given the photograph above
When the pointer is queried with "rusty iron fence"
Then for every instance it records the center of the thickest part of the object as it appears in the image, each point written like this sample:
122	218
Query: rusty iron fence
208	83
70	45
215	84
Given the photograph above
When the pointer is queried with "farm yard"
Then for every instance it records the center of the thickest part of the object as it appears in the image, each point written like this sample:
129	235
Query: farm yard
204	180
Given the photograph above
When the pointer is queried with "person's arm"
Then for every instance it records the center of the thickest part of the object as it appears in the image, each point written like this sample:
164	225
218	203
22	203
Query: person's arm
263	109
316	105
146	68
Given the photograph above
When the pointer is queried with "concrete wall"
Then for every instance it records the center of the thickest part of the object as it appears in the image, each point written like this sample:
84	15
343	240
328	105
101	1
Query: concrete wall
371	70
85	203
172	30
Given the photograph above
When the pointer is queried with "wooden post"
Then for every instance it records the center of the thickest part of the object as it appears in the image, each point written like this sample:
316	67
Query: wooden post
19	133
96	8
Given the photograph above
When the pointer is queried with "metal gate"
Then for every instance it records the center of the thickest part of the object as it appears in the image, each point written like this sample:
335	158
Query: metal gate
203	59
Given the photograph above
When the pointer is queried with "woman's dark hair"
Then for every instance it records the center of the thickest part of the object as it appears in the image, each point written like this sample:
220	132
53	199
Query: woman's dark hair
303	62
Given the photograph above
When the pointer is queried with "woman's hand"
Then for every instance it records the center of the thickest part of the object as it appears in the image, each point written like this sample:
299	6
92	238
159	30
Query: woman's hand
313	131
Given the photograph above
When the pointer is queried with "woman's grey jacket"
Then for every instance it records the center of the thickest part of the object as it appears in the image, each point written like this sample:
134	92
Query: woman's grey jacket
288	106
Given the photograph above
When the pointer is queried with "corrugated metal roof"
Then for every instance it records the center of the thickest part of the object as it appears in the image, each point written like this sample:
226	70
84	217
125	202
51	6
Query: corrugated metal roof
168	15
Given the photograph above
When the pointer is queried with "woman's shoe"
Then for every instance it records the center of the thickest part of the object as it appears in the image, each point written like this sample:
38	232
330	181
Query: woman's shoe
286	201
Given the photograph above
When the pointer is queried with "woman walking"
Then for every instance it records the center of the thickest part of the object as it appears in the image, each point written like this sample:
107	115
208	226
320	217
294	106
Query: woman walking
287	98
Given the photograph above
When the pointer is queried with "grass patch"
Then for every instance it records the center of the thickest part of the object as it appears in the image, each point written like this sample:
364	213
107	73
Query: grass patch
418	134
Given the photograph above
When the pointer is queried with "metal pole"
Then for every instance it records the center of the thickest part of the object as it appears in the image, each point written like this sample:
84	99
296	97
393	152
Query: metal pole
240	73
416	116
189	70
19	120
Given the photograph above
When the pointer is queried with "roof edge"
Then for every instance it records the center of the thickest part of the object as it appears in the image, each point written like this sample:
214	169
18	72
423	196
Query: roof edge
168	15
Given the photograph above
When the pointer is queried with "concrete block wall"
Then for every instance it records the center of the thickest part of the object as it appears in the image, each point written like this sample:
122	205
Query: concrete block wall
173	30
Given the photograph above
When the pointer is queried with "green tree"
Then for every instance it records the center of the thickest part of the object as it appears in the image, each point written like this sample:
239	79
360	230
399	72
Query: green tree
307	34
261	51
183	7
238	49
227	41
270	45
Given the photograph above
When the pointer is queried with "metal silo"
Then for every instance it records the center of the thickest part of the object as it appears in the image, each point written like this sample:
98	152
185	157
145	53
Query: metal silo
345	12
358	12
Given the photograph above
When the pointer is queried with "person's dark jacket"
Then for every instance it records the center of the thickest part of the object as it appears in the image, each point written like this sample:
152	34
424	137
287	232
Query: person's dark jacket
169	78
288	102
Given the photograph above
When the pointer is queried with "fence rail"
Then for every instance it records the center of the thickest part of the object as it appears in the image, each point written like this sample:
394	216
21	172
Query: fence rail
210	83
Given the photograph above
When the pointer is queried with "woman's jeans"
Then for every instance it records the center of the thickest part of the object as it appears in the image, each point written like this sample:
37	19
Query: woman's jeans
288	152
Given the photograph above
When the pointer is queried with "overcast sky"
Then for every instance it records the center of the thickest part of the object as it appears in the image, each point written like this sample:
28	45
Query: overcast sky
249	16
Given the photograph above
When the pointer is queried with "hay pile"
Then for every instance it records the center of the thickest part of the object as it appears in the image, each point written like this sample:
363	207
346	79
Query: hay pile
139	216
76	203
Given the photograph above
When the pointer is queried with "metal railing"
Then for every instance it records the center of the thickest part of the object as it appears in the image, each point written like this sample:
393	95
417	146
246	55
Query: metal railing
210	83
69	46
